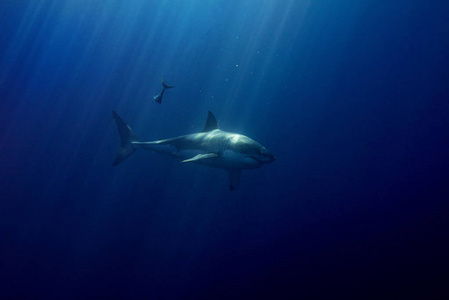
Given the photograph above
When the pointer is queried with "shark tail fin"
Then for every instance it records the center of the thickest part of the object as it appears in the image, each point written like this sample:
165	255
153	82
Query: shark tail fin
127	136
167	86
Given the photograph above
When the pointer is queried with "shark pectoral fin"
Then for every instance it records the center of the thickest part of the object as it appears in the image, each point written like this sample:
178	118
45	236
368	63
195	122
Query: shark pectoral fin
234	178
200	157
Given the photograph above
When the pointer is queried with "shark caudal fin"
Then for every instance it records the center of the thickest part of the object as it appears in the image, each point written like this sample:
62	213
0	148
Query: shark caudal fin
127	136
167	86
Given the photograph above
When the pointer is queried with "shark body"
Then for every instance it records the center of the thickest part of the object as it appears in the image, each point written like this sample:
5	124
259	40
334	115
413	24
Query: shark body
212	147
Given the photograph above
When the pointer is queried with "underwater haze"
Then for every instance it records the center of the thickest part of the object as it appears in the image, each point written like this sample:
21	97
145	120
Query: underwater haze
352	98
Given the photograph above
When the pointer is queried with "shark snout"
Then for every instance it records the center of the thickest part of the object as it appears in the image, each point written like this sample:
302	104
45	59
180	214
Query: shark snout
271	158
265	158
268	156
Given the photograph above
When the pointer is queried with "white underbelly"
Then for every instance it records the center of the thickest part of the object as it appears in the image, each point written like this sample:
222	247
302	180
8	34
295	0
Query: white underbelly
186	154
231	160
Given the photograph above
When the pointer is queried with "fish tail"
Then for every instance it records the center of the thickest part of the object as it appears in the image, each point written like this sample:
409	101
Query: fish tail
167	86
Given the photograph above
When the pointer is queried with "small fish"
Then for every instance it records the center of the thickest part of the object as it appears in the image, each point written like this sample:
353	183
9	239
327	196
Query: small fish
158	97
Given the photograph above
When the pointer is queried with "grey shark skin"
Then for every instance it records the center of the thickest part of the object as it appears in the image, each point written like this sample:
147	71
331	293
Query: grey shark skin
158	97
212	147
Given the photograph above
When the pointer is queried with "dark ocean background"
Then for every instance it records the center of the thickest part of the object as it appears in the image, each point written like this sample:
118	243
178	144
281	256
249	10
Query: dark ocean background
350	96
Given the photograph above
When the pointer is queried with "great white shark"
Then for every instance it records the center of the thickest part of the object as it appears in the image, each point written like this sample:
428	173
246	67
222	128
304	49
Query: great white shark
212	147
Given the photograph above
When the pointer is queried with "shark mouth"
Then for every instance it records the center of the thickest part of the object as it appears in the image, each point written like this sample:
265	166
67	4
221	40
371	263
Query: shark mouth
257	159
263	159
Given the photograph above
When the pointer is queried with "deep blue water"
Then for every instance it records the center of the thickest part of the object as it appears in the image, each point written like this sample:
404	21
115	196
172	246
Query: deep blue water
351	96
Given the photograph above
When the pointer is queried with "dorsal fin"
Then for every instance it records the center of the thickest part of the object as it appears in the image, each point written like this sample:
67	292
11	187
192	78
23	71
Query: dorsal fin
211	123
